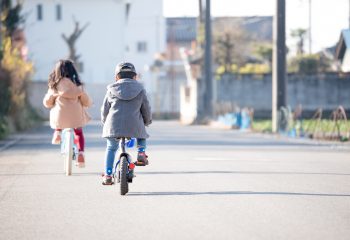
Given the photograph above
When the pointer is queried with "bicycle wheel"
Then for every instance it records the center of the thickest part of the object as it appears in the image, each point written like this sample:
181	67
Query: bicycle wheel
68	138
123	171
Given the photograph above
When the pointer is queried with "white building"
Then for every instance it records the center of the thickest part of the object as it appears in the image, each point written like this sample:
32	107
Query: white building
118	30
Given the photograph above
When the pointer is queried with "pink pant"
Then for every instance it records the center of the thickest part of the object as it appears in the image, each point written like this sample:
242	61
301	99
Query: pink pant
78	138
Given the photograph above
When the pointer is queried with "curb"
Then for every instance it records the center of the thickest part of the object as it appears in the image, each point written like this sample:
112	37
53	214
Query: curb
276	136
304	140
8	143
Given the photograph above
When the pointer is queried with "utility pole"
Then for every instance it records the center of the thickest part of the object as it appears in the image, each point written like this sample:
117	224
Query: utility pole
201	18
310	35
1	53
204	83
208	95
172	72
279	83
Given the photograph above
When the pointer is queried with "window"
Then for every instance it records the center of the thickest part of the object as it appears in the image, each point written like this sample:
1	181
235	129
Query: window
39	11
141	47
58	12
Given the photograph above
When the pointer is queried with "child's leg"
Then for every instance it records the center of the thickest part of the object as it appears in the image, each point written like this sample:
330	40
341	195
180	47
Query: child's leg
141	145
80	141
79	136
112	147
141	155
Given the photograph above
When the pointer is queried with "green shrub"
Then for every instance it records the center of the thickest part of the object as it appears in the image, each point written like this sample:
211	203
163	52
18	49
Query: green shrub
14	75
313	63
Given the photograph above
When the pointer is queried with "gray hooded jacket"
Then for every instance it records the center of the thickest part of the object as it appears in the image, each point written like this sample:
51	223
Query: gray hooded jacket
125	110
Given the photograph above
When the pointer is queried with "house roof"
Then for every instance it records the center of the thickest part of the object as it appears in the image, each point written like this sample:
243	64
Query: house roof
181	29
343	44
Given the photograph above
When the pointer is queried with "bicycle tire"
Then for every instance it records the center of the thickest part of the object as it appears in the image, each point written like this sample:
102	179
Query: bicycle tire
124	186
68	152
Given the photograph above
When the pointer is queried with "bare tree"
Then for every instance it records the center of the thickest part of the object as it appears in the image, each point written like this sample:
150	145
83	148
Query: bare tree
231	46
300	34
72	39
225	51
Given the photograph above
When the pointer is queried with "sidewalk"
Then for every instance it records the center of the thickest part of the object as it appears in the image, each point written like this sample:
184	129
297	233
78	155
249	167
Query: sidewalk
14	138
276	136
9	141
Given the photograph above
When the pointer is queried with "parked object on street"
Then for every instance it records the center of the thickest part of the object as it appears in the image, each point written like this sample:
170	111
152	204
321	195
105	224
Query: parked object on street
241	119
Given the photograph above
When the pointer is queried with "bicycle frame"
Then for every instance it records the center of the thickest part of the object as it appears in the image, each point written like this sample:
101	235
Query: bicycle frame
69	149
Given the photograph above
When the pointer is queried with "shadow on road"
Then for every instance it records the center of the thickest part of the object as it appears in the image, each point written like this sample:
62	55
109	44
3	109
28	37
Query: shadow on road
227	142
182	173
51	174
241	172
31	144
236	193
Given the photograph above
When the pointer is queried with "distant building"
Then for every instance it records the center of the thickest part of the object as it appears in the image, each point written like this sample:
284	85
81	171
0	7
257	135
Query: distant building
181	34
181	39
260	27
118	30
342	52
182	31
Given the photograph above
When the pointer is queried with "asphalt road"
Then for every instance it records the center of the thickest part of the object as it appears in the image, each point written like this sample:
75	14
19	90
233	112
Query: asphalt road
202	183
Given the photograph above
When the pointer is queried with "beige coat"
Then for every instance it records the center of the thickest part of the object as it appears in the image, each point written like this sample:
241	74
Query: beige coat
68	105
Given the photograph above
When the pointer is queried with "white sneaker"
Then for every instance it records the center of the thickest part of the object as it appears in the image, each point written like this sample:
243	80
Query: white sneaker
81	160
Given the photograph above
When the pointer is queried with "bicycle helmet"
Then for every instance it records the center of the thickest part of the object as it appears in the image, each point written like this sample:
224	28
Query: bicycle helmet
124	67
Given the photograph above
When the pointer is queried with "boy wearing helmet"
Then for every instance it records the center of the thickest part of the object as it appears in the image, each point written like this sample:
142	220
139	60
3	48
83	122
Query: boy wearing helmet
124	113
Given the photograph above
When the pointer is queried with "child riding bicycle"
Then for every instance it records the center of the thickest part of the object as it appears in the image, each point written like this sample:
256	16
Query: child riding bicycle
68	101
124	113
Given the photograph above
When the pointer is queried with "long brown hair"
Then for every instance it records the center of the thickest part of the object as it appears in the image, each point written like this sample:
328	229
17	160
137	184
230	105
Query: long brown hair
63	69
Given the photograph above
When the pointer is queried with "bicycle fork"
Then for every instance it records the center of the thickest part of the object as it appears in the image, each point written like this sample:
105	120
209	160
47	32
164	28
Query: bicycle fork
131	165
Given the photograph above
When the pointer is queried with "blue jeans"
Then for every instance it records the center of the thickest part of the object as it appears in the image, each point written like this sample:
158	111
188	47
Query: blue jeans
112	148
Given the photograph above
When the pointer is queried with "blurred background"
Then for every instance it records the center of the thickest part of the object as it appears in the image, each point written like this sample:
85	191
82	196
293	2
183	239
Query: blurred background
168	42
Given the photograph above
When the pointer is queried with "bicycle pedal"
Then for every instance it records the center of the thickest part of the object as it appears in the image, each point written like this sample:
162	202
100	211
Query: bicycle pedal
140	164
107	184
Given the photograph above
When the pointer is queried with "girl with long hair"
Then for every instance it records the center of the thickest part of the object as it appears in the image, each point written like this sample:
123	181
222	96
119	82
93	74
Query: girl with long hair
67	101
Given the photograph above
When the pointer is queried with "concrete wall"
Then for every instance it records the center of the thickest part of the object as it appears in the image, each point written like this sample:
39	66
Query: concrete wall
312	91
